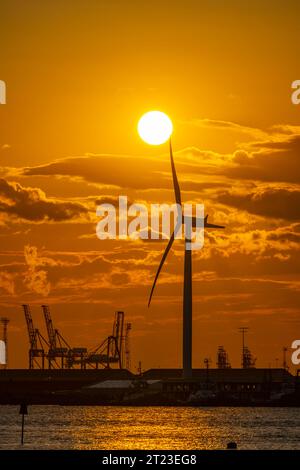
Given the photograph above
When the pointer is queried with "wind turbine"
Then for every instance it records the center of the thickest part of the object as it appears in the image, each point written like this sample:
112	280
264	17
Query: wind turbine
187	284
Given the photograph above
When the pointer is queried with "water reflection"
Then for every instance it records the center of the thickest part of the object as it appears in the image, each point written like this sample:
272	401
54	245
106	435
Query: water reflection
54	427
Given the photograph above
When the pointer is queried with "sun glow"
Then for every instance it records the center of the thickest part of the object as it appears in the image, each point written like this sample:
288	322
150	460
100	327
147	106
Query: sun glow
155	127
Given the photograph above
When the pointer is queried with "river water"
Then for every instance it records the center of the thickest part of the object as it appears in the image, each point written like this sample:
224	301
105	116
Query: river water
91	427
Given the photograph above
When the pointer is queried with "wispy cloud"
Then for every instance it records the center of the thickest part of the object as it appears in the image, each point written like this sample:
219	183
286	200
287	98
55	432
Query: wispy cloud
35	278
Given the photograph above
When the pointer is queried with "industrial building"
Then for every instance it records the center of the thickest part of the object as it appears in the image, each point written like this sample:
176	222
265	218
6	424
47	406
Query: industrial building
234	387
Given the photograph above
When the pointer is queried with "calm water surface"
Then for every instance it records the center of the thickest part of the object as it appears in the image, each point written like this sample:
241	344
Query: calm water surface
56	427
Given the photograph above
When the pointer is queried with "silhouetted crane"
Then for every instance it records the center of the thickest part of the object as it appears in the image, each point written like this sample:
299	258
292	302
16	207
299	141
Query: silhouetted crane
37	342
58	346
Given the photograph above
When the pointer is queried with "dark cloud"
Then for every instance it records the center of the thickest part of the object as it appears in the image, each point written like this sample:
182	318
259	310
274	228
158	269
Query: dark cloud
286	236
33	205
112	170
279	202
136	172
292	143
275	160
268	161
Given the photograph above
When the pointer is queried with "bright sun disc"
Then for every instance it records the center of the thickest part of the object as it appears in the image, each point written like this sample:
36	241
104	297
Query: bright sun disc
155	127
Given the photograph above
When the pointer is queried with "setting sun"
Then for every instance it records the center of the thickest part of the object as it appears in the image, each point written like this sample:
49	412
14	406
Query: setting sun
155	127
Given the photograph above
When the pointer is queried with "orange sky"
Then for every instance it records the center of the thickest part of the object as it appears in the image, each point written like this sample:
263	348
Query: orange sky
79	75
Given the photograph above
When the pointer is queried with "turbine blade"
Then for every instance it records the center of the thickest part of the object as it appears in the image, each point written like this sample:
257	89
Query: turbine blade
161	265
214	226
175	180
205	223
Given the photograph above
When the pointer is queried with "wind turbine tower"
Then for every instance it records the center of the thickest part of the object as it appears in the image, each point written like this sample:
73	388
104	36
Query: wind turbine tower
187	283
